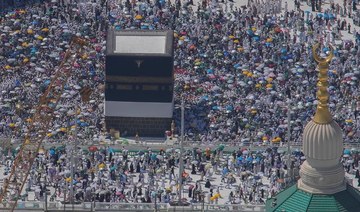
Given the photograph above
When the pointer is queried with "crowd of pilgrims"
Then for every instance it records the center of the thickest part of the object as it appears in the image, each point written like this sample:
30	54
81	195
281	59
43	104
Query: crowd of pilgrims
212	176
238	69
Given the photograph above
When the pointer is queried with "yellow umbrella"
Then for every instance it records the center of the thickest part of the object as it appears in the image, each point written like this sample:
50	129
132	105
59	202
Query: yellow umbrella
349	121
29	120
253	111
138	17
49	134
245	72
258	85
84	56
25	44
253	29
41	151
240	49
26	60
63	129
197	63
30	31
265	138
175	35
102	166
276	139
68	179
45	29
269	40
250	74
217	196
11	125
182	38
269	86
269	79
236	41
40	37
231	36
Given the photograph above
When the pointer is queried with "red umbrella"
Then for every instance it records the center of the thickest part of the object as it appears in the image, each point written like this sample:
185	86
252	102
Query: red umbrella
93	149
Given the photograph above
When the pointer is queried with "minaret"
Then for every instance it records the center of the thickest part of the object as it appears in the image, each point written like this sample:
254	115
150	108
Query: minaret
322	172
322	186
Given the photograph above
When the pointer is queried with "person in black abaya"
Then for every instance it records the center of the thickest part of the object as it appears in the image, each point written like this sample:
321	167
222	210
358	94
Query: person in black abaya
193	169
357	174
207	184
138	168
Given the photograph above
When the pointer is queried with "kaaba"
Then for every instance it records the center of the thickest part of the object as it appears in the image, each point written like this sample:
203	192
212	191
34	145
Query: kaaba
139	82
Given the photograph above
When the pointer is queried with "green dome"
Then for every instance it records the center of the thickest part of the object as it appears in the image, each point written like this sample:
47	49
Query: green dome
296	200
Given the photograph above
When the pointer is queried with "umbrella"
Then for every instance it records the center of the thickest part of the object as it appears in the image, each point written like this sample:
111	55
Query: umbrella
93	149
221	147
208	166
347	152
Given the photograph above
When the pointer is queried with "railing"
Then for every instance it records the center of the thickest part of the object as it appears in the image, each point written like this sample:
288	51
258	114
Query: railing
188	144
103	207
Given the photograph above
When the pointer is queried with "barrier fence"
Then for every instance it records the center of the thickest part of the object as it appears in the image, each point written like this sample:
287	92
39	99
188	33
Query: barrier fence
102	207
229	147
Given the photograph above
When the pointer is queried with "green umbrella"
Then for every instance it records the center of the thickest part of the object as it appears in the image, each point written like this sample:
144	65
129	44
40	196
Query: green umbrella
221	147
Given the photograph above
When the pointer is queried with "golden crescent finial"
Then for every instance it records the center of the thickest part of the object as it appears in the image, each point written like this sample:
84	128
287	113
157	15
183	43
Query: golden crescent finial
322	115
319	59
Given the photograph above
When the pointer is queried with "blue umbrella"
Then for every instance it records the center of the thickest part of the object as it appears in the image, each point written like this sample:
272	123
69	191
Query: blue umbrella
229	107
205	98
215	107
209	71
52	152
347	152
320	15
84	124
